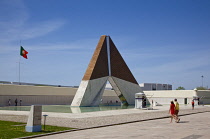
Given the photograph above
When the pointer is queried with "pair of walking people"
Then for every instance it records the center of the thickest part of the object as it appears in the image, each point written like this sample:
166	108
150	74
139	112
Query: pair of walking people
174	111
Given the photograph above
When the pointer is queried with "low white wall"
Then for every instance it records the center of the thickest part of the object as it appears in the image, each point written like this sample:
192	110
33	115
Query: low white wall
183	96
166	96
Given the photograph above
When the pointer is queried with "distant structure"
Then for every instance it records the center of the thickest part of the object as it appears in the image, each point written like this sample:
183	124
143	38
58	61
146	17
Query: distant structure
148	86
50	95
155	86
33	84
106	65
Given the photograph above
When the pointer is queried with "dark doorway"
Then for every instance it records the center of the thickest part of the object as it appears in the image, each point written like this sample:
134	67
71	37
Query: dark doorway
185	100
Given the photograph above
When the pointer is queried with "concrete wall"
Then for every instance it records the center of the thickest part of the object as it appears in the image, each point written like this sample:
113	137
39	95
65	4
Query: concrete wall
63	95
46	95
204	96
35	90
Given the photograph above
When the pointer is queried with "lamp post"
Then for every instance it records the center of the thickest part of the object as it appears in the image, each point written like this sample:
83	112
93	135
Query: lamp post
202	80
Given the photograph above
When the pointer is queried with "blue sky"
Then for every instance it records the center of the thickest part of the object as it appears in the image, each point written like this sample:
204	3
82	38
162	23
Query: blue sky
161	41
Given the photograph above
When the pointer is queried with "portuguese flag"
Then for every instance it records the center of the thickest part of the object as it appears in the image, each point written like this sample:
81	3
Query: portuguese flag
23	52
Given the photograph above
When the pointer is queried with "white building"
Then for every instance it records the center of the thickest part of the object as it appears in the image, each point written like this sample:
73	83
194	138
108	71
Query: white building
155	86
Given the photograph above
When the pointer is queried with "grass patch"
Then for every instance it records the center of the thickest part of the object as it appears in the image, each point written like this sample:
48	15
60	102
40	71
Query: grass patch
10	130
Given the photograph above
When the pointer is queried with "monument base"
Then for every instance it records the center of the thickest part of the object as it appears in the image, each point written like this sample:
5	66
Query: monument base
36	128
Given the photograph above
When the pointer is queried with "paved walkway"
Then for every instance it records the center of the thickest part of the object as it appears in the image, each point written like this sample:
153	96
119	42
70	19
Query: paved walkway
190	127
93	120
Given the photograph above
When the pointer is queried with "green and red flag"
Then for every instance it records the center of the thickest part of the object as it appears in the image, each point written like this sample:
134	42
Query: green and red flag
23	52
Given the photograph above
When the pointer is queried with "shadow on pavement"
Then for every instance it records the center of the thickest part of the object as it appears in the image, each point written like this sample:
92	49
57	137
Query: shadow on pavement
183	121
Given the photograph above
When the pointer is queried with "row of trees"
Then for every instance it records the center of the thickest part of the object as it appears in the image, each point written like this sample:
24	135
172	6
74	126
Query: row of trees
198	88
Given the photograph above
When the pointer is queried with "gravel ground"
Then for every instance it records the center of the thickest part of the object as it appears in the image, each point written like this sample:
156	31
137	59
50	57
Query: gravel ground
101	118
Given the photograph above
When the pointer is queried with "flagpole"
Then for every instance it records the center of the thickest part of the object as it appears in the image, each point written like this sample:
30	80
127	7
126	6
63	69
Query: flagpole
19	64
19	70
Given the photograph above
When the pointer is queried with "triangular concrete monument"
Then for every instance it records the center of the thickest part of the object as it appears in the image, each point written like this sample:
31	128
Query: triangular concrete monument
106	65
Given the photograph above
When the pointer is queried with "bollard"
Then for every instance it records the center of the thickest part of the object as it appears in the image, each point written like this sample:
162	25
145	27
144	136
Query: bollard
45	120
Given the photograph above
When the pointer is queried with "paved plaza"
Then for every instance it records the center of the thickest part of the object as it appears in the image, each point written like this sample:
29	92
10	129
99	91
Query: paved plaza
190	127
125	123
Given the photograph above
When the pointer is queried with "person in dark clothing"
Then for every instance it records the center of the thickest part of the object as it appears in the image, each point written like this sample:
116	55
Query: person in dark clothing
16	101
20	102
144	102
9	102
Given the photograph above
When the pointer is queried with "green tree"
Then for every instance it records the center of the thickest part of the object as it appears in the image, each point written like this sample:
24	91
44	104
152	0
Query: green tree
180	88
201	88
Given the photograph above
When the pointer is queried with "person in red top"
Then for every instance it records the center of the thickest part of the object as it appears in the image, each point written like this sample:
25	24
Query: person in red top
193	104
172	110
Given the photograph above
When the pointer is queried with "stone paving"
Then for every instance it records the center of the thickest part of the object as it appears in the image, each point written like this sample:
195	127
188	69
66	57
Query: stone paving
102	118
195	126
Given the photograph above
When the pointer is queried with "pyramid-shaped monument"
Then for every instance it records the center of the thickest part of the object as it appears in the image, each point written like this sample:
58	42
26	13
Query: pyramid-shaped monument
106	65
